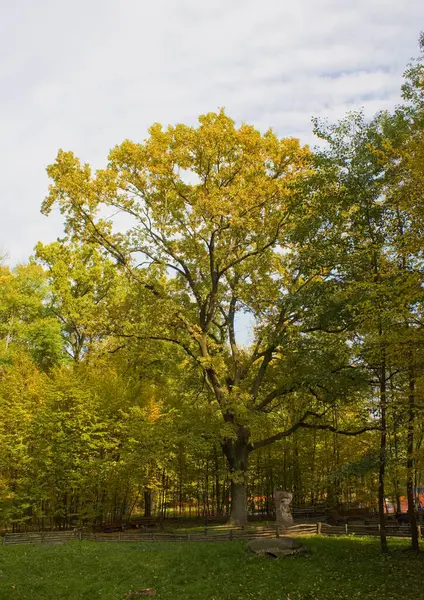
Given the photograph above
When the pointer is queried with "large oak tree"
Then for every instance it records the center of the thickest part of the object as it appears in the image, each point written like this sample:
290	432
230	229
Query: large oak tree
210	223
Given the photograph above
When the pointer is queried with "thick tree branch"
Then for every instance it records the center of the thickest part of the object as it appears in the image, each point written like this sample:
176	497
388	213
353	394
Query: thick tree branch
160	338
303	424
277	393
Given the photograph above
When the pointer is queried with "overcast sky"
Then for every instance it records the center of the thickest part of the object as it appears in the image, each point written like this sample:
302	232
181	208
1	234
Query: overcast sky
85	75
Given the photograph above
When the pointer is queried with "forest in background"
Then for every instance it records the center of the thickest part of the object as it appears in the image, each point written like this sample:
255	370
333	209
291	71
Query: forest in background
124	386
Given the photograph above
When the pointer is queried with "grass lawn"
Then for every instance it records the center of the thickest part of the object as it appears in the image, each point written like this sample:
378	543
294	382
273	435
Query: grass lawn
224	528
336	569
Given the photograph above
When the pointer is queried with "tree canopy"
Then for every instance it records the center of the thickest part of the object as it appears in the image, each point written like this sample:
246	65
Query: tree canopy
125	370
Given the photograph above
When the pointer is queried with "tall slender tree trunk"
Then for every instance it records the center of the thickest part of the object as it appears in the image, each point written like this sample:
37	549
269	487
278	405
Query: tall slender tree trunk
313	459
382	461
226	496
336	458
147	502
180	481
410	462
297	477
219	503
396	452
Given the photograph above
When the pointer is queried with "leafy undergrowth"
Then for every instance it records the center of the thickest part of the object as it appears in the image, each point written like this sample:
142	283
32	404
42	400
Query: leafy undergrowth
336	568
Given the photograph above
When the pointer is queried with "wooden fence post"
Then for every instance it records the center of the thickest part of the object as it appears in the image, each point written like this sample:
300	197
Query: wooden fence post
277	531
346	528
419	531
319	528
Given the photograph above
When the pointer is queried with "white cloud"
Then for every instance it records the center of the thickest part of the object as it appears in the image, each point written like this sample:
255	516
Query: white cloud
86	75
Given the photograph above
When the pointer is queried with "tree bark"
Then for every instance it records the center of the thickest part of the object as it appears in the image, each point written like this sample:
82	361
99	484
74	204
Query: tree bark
410	462
238	515
396	484
382	461
219	503
147	502
237	453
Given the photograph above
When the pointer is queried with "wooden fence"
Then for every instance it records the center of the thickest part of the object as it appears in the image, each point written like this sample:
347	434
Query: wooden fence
206	535
41	537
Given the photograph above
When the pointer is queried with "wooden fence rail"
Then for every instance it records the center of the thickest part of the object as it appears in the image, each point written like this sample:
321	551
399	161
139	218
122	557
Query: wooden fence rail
207	535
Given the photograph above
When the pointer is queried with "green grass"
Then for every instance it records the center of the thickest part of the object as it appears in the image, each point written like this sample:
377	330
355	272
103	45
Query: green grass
224	527
336	569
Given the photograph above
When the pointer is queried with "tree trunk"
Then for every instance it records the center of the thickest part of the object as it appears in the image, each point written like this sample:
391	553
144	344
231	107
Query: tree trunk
382	461
147	502
219	503
297	477
396	468
410	462
238	515
226	496
237	453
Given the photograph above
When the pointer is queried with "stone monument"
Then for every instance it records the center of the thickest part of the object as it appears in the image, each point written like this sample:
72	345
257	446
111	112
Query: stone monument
276	547
283	514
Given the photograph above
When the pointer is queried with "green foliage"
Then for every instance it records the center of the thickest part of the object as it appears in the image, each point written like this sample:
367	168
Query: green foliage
122	377
25	320
221	220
